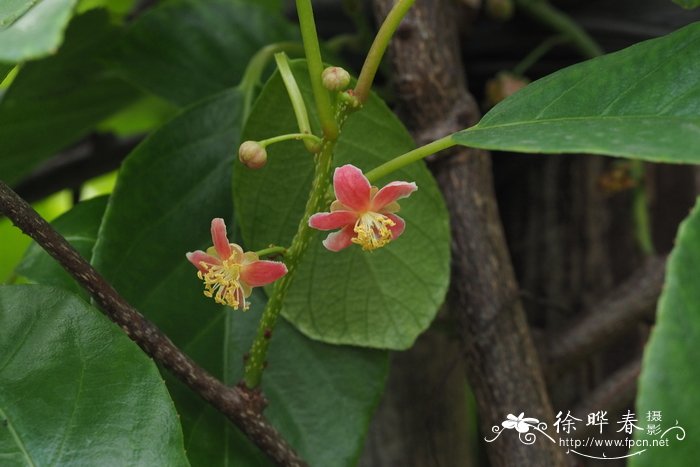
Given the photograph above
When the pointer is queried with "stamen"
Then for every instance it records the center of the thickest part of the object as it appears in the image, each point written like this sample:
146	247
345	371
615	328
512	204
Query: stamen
222	283
373	231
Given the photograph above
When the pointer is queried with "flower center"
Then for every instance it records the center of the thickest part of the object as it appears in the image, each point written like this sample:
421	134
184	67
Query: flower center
222	283
372	230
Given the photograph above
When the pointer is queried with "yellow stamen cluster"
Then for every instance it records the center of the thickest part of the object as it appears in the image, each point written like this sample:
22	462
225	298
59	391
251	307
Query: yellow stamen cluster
373	231
222	283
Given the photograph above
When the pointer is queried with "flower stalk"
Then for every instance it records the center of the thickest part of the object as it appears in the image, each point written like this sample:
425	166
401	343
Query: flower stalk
379	46
296	98
312	50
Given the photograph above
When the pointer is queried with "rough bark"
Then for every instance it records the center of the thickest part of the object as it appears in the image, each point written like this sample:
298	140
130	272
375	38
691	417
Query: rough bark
500	360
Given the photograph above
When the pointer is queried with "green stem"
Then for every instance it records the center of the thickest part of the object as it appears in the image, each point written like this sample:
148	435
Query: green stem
256	67
297	136
538	52
315	64
273	250
409	158
258	352
296	98
640	209
379	46
551	16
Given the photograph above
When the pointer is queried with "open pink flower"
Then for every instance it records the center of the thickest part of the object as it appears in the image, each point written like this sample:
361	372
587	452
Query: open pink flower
364	214
229	275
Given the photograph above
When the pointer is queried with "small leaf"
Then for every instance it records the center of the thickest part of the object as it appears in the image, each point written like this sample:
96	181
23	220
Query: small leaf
43	111
642	102
76	390
191	49
79	226
670	367
32	29
381	299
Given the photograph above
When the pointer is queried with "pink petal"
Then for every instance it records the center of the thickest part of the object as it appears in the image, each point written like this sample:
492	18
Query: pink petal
332	220
392	192
351	187
198	257
260	273
341	239
398	227
218	235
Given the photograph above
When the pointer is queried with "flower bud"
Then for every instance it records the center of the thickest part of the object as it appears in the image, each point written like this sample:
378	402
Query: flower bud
503	85
252	154
335	78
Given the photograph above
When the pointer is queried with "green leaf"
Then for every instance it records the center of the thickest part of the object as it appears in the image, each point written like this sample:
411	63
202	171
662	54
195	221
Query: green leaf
688	4
670	366
78	226
186	50
53	102
32	29
381	299
168	191
642	102
320	395
76	390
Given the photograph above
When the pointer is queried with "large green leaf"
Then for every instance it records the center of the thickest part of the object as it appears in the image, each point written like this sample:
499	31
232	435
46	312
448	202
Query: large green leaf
168	191
381	299
189	49
78	226
32	28
320	395
76	390
53	102
642	102
670	367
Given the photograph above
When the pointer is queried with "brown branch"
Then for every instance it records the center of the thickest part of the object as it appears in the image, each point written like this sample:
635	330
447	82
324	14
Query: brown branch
69	169
630	302
616	392
501	361
242	407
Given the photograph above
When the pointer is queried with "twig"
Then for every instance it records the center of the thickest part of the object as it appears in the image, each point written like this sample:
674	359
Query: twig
630	302
242	407
615	393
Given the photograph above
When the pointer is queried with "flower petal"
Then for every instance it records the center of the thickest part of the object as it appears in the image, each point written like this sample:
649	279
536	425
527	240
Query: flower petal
339	240
391	192
218	236
198	257
332	220
260	273
398	227
351	187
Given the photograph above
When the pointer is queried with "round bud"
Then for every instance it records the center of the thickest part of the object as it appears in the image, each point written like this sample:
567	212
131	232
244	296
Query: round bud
335	78
252	154
503	85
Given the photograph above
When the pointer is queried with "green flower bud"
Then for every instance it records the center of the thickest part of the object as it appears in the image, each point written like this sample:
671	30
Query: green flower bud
252	154
335	78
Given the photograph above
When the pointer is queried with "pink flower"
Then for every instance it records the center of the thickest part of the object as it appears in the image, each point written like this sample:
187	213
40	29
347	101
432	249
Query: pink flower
229	275
364	214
